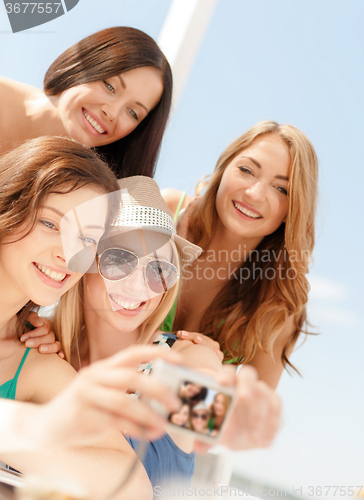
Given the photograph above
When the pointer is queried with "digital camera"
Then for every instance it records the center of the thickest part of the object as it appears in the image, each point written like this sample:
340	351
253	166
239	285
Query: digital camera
205	405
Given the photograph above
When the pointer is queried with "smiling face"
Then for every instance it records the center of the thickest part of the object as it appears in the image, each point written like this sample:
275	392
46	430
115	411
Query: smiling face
34	267
199	420
126	304
219	405
103	112
180	418
252	199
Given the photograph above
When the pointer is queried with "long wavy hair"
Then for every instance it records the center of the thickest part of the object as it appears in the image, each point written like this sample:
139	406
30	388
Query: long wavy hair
69	320
250	314
105	54
36	169
227	401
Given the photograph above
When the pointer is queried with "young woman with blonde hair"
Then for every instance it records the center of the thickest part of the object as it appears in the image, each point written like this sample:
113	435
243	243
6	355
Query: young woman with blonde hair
255	222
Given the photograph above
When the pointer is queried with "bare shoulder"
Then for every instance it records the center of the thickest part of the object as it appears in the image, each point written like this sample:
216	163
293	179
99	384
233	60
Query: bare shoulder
287	332
13	93
13	117
43	376
12	87
173	196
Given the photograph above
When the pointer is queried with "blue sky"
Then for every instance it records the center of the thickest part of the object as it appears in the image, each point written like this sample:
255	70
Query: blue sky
299	62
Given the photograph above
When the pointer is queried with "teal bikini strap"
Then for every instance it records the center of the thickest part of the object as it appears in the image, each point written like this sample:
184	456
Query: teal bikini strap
21	364
180	203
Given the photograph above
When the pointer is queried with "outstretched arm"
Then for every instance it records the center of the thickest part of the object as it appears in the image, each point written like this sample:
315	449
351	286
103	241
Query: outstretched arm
77	434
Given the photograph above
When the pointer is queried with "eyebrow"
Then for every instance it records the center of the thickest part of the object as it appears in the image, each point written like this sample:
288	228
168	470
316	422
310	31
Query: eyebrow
58	212
93	227
54	210
123	84
283	177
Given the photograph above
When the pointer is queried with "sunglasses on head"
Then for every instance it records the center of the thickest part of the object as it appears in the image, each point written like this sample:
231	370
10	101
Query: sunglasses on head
203	416
116	264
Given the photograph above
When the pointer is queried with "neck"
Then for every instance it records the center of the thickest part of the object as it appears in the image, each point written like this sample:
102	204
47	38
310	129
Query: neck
231	248
100	340
11	301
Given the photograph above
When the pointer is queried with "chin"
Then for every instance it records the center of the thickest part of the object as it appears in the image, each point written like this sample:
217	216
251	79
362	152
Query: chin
42	302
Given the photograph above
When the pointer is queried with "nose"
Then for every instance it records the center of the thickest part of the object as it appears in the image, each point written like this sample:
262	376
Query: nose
135	283
57	251
256	191
111	111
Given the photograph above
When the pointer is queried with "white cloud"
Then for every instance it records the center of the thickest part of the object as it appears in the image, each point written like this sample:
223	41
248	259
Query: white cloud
326	290
322	311
332	316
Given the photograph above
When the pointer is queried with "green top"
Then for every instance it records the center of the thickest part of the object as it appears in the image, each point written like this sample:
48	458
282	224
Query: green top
8	390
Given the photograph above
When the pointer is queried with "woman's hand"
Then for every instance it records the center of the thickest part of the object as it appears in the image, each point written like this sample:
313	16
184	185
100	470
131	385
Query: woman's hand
200	339
183	220
42	337
97	401
255	418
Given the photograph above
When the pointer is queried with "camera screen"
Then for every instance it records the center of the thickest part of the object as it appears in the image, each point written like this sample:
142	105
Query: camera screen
202	409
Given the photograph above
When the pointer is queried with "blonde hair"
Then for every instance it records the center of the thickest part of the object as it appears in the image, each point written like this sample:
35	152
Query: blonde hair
250	315
68	318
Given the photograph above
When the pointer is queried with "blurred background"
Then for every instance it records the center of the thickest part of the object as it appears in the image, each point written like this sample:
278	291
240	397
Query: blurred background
299	62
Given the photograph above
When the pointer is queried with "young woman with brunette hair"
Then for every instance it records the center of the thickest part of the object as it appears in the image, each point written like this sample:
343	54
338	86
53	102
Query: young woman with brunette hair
75	434
255	222
112	91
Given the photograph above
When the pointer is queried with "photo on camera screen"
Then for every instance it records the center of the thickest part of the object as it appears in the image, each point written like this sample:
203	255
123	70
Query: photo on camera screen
203	410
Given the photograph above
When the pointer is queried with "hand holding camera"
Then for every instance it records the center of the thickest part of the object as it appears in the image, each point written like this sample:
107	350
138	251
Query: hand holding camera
236	410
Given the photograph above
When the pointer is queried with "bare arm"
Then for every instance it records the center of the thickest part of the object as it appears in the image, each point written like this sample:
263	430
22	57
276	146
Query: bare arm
270	369
199	357
38	438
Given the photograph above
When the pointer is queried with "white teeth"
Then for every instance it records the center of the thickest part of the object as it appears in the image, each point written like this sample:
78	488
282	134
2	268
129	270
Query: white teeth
50	273
125	305
94	123
247	212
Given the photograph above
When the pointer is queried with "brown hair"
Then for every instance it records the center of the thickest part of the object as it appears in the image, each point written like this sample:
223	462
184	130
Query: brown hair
250	315
105	54
38	168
